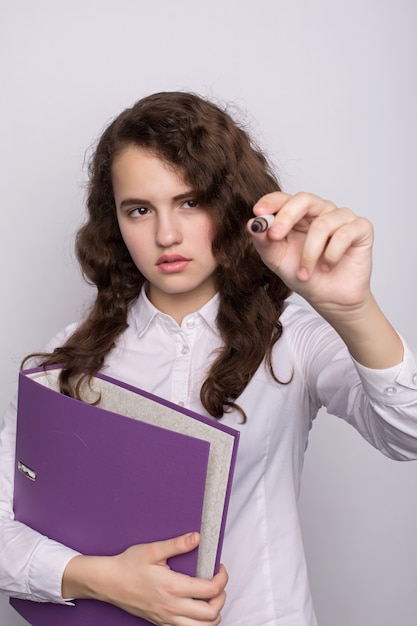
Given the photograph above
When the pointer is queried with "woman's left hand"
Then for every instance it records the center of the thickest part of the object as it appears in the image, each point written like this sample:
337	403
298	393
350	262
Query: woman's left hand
319	250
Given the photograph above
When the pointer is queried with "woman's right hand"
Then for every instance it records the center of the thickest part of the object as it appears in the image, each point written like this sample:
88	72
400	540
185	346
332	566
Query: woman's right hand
140	581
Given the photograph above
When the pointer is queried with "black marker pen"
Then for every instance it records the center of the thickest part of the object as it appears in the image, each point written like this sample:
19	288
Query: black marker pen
262	223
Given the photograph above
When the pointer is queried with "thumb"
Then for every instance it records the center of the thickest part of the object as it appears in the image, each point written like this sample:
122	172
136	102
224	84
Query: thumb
163	550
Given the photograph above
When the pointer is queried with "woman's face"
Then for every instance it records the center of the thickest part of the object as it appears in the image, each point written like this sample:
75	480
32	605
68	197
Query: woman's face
168	235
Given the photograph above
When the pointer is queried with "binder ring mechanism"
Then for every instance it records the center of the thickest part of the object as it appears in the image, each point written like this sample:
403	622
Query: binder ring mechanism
26	471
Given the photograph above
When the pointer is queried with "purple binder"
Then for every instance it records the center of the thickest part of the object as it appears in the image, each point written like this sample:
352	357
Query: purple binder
99	482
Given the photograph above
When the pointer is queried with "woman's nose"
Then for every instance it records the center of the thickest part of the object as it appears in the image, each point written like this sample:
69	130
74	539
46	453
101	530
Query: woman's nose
168	231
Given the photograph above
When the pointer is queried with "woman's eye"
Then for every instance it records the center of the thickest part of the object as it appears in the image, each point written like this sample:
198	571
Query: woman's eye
190	204
139	210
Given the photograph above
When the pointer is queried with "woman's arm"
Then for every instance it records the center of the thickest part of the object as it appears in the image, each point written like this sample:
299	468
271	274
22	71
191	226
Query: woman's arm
140	582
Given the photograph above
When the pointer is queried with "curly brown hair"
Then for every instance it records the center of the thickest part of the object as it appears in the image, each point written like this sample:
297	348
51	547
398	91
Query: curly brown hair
229	174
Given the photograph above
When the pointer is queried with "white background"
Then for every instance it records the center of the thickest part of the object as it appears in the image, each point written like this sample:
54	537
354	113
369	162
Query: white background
329	90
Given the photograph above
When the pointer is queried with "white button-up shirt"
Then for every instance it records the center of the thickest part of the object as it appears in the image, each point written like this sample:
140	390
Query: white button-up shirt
262	550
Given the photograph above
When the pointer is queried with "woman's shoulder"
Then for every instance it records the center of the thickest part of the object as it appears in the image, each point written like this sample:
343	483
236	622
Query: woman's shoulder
61	336
298	313
305	330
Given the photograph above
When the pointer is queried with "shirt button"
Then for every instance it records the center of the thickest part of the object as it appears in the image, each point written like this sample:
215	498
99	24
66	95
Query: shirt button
390	391
185	350
190	323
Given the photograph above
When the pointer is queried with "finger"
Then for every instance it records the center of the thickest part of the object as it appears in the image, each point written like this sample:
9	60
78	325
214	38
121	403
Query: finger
200	600
351	235
221	578
269	204
205	589
195	611
328	237
296	211
163	550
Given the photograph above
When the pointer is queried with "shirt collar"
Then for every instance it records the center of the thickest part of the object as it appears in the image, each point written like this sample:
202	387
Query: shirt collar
144	313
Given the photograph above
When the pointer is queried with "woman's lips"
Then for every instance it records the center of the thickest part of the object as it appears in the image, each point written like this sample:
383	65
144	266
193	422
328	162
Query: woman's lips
171	263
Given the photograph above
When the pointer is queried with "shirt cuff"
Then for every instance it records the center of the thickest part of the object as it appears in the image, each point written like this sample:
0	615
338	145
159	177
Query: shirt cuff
46	572
395	385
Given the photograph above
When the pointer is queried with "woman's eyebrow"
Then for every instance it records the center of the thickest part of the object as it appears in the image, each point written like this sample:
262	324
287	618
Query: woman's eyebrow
187	194
132	201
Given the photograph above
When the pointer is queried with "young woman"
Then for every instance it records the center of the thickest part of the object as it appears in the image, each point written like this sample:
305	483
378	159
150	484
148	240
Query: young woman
192	305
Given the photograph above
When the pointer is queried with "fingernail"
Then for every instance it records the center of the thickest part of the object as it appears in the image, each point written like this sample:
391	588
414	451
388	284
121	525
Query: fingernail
303	274
191	539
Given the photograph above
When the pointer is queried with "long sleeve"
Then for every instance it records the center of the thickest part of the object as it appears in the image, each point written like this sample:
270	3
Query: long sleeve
380	404
392	396
31	565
